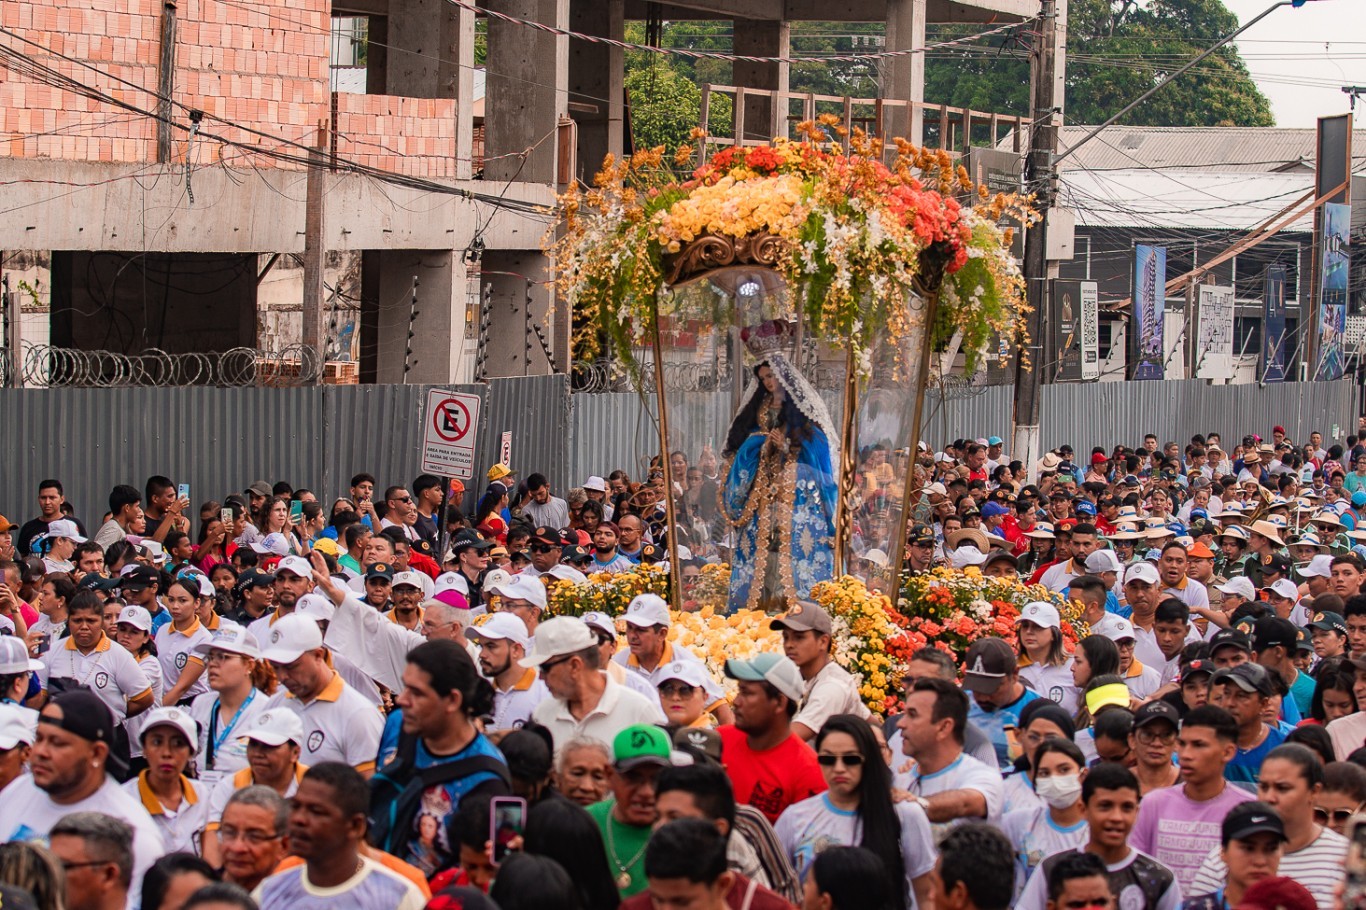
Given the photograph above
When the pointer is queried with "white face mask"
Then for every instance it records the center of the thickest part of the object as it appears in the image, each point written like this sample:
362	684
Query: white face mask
1060	791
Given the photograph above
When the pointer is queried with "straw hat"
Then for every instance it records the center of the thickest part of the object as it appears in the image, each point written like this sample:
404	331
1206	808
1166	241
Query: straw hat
1268	530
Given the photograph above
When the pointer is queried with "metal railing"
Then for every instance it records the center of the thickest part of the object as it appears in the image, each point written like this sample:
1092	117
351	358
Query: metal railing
49	366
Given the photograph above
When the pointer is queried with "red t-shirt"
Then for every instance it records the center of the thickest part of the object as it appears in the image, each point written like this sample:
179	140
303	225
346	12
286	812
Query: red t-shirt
773	779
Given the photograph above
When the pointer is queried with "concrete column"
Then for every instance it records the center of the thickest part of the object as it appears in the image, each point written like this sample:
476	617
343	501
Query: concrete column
905	75
595	80
441	352
762	38
519	314
527	90
431	55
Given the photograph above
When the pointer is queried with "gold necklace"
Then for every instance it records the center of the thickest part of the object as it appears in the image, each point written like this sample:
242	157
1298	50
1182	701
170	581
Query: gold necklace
624	879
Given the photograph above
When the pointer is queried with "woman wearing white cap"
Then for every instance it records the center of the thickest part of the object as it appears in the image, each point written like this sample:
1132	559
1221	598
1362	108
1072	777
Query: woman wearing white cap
62	540
231	706
1044	662
134	635
176	803
181	667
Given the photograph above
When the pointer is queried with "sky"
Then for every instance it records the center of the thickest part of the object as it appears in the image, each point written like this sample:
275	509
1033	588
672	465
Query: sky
1301	58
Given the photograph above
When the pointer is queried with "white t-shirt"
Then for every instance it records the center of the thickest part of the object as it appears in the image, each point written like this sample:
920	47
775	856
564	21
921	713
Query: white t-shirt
180	829
1318	866
225	788
963	773
109	670
513	708
618	709
373	887
28	813
230	749
1122	879
175	650
339	725
1054	683
1143	683
810	826
1018	794
1036	836
831	691
133	726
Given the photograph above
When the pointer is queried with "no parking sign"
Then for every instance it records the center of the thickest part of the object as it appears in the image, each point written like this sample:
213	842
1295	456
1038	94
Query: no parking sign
448	439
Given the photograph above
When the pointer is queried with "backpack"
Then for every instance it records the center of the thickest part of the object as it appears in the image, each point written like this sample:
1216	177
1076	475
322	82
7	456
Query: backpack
396	790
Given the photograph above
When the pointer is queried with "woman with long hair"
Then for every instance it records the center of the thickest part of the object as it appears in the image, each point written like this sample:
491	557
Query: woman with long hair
1041	719
1095	656
210	550
529	882
488	514
274	519
134	635
1334	692
857	811
1056	824
1043	659
26	865
565	832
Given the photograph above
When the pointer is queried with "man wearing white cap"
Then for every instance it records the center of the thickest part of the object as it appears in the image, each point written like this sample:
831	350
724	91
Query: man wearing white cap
605	628
407	591
230	707
17	666
1143	591
293	578
373	643
1141	679
177	804
339	723
517	690
524	597
585	702
1317	574
17	732
647	636
274	741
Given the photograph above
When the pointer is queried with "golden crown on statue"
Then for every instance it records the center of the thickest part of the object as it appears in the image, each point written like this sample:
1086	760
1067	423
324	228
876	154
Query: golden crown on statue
769	336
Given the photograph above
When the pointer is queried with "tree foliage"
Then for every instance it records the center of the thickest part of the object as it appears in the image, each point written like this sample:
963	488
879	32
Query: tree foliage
1116	50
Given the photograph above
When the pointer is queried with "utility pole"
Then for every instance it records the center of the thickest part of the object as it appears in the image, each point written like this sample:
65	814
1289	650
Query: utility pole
1040	177
315	256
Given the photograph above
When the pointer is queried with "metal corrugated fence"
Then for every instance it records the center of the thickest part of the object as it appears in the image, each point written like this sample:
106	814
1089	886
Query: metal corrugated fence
616	430
219	440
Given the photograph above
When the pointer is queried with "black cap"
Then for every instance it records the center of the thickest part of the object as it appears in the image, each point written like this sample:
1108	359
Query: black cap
1247	819
93	581
1249	676
1271	631
575	555
379	570
253	578
1278	563
1155	711
548	536
140	577
1232	637
1196	667
467	539
83	713
1303	641
920	534
424	547
651	554
1329	622
999	555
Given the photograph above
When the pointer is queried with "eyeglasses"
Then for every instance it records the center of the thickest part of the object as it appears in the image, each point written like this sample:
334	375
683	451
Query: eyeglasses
552	664
255	838
853	760
1148	736
1323	816
404	499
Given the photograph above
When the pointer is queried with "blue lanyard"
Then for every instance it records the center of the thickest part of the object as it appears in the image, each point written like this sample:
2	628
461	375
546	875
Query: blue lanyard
220	738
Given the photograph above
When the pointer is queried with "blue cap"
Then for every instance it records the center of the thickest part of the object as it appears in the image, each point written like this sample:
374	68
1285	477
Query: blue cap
994	510
1199	513
993	440
1085	507
1359	498
1130	481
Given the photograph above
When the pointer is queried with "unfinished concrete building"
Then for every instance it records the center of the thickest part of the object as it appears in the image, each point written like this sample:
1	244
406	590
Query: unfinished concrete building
165	156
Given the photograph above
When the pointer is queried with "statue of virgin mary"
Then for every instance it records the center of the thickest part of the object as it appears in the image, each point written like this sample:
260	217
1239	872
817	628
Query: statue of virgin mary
779	489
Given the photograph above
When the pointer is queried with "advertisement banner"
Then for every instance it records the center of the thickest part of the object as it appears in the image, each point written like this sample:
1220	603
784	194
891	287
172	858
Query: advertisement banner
1272	365
1150	304
1090	331
1066	319
1332	323
1214	338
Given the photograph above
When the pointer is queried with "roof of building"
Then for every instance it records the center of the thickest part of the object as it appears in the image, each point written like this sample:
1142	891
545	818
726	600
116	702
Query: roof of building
1229	148
1183	199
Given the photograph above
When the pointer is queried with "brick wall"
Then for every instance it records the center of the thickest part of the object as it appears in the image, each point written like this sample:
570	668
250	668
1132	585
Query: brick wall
414	136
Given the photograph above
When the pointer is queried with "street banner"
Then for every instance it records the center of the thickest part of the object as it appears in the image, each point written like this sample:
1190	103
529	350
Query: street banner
1272	365
1332	324
1090	331
1066	321
1214	339
1150	300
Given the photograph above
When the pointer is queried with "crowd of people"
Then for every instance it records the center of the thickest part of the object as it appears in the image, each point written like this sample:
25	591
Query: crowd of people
273	702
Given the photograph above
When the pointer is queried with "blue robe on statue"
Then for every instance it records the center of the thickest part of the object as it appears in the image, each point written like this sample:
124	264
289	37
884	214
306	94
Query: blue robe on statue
783	495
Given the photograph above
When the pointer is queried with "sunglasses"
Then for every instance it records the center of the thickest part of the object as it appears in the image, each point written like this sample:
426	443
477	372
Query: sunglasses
1337	816
677	690
541	548
849	761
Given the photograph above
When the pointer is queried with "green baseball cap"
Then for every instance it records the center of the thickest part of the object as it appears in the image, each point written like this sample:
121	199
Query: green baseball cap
643	744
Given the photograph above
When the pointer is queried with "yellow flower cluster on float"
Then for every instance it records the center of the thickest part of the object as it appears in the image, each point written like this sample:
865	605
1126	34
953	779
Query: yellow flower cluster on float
604	592
715	637
735	208
865	638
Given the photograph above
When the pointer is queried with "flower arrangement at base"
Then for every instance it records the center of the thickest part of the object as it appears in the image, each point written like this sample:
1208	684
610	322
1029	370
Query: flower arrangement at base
870	639
605	592
854	240
709	590
950	609
715	637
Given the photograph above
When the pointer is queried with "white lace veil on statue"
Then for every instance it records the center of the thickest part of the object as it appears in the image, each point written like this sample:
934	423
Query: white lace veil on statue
802	394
